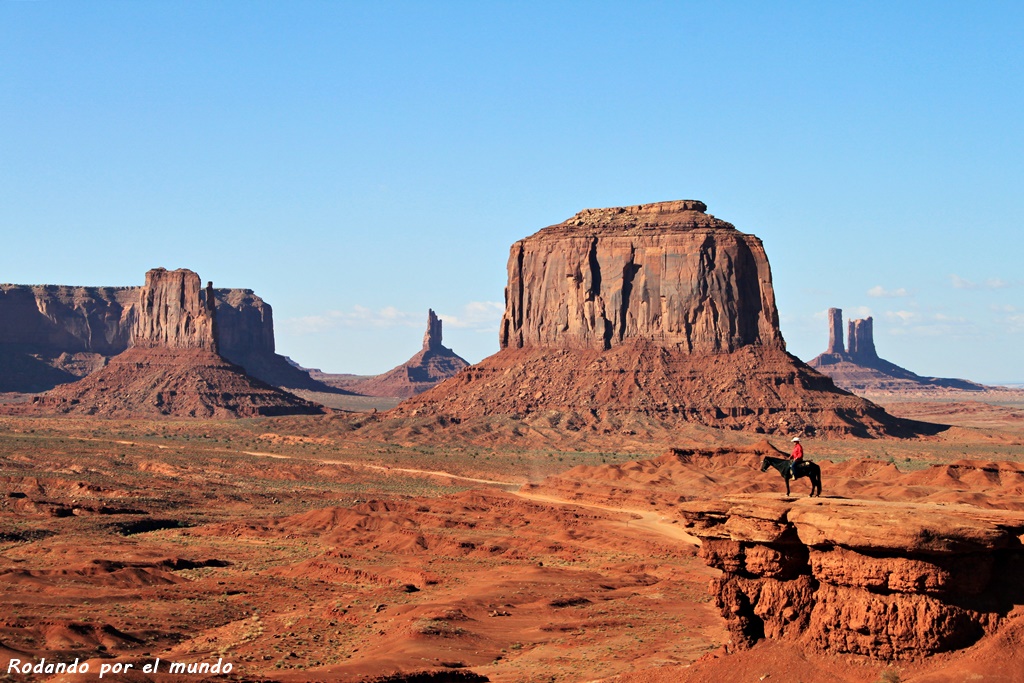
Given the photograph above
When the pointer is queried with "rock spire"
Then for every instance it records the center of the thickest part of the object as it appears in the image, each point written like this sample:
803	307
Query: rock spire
432	364
835	331
858	367
861	340
432	338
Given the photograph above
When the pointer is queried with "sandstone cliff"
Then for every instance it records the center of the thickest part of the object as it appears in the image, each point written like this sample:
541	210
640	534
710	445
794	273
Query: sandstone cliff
433	364
667	273
655	312
53	334
887	564
854	576
859	369
172	366
175	312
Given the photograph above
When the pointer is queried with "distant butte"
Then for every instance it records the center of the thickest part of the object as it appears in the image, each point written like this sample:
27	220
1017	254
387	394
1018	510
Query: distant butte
858	368
431	365
56	334
172	366
657	314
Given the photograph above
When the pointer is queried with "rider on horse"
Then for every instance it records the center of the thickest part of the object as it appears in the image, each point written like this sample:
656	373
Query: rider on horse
797	457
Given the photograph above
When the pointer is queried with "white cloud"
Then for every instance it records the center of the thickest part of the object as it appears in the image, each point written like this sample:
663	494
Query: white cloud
914	323
880	291
990	283
476	315
903	316
961	283
1014	323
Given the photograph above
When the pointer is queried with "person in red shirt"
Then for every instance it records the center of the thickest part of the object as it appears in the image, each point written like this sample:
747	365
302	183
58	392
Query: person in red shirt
798	455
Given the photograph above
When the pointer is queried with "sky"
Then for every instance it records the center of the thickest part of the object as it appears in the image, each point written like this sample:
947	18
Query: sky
356	163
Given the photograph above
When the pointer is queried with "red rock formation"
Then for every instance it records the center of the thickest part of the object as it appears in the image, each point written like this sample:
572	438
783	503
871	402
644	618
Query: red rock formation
835	331
54	334
861	339
889	564
245	336
159	382
667	273
658	310
433	364
853	576
174	312
432	337
859	368
172	367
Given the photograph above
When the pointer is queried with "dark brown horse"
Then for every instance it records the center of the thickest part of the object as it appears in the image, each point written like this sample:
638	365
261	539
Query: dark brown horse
802	469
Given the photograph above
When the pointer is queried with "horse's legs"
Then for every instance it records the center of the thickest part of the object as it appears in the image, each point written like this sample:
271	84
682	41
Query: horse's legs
786	479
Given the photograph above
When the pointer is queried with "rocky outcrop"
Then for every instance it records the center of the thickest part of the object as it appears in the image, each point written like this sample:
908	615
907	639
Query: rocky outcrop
175	312
886	580
57	319
433	364
859	369
659	311
245	336
432	337
52	334
168	382
667	273
861	340
172	366
835	331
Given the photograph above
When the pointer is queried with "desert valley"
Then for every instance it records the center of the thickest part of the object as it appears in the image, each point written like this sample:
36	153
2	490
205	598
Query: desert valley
179	502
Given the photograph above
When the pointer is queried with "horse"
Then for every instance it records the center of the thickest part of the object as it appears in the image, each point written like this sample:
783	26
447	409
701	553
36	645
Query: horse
802	469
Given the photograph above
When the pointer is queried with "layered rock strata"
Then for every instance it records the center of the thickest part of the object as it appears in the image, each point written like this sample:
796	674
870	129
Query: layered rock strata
858	368
659	310
668	273
175	312
886	580
53	334
172	366
432	364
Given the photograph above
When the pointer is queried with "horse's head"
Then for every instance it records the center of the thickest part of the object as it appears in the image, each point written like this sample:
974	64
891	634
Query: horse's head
765	464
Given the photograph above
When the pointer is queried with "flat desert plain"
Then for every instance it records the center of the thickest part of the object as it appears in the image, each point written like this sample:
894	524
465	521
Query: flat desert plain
295	549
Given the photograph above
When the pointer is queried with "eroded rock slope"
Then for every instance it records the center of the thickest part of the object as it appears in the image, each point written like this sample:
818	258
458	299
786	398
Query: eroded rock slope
658	312
172	366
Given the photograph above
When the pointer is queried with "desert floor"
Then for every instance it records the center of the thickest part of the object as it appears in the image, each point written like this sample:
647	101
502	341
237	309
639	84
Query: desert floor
295	551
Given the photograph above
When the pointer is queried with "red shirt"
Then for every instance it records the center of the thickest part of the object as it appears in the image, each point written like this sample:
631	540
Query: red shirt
798	452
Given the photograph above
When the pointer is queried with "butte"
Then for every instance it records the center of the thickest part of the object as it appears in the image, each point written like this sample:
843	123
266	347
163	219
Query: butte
430	366
642	318
172	366
858	368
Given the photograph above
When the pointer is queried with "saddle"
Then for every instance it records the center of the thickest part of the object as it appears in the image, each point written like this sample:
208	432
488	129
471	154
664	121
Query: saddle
801	469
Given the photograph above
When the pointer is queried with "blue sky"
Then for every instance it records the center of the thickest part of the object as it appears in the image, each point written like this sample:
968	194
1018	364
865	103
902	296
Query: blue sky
359	163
